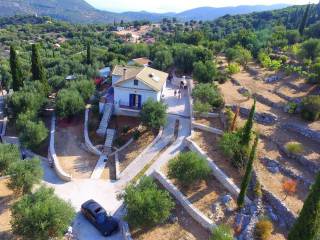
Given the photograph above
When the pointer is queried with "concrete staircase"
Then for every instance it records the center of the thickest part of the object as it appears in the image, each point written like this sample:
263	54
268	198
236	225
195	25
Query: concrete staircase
110	133
107	113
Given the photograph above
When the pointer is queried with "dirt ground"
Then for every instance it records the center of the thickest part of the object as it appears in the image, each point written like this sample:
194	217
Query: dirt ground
6	200
211	122
208	142
185	229
71	152
127	155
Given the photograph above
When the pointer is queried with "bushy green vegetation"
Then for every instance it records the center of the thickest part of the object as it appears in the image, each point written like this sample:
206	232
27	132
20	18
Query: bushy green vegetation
222	232
294	147
9	154
153	114
311	108
146	204
41	215
69	103
188	168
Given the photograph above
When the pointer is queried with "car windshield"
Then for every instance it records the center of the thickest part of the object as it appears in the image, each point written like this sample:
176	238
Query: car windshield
101	218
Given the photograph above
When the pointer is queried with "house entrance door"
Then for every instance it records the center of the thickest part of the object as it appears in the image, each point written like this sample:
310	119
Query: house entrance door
135	100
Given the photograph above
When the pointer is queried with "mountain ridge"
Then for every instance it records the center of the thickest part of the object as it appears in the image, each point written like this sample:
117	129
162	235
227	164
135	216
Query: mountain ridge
79	11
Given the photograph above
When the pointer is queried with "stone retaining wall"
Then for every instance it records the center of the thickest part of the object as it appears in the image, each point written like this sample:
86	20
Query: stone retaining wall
125	231
283	212
52	156
207	128
302	130
194	212
87	140
267	101
216	171
4	126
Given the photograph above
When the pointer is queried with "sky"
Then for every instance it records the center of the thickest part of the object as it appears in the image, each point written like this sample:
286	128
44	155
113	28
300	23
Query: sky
180	5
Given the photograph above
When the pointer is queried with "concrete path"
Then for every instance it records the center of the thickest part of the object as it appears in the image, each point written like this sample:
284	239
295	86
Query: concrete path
97	172
143	159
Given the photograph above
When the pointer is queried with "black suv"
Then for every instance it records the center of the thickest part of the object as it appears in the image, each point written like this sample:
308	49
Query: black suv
98	216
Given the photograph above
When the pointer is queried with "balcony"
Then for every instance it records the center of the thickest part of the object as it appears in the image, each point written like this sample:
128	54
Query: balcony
126	106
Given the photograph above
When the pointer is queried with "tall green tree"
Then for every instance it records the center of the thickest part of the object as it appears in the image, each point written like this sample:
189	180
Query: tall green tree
304	20
41	215
247	129
24	175
153	114
37	69
9	154
307	226
17	78
247	177
89	55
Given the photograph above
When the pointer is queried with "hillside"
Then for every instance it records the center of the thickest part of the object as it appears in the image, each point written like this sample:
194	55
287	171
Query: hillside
79	11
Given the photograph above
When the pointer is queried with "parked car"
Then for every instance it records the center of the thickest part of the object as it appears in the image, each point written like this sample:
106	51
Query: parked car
98	216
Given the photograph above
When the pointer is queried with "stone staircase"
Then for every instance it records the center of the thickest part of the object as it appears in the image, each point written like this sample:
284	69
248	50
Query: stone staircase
107	113
110	133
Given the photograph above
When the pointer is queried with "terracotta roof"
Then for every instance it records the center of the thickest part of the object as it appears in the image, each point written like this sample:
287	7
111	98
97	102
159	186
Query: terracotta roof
142	61
153	78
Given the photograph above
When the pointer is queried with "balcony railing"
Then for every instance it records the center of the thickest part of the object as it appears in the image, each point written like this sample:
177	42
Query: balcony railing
126	105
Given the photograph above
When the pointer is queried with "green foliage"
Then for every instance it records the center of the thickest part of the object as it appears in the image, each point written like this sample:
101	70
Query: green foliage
163	60
188	168
33	134
83	86
17	78
184	58
263	230
146	205
233	68
37	68
153	114
307	226
230	143
294	147
202	107
222	232
311	108
89	55
136	134
207	93
57	82
204	72
266	61
69	103
24	117
304	20
9	154
239	54
247	177
24	175
41	215
310	49
229	117
247	129
257	189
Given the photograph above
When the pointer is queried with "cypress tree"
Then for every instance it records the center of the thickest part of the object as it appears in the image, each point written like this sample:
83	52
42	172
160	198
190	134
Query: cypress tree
37	68
17	79
89	57
247	177
304	20
307	226
246	134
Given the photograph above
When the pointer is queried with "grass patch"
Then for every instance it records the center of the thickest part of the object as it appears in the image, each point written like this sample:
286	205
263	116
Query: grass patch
294	147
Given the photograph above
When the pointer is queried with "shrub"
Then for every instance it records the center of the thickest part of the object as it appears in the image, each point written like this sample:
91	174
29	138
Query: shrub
69	103
24	174
263	230
41	215
207	93
125	129
311	108
233	68
294	147
230	143
33	134
153	114
257	190
84	87
222	232
56	82
202	107
146	204
188	168
229	114
136	134
9	154
24	117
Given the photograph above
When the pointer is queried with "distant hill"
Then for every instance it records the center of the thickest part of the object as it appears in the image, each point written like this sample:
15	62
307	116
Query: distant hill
211	13
79	11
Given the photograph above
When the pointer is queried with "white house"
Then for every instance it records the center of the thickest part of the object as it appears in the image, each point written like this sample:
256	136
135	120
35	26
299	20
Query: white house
133	86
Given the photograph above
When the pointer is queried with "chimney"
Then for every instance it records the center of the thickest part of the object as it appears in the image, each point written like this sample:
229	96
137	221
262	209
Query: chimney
124	73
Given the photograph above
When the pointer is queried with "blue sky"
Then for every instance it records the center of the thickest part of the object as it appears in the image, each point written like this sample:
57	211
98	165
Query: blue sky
179	5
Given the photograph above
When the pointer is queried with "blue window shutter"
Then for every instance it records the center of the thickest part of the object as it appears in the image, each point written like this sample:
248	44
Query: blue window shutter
131	100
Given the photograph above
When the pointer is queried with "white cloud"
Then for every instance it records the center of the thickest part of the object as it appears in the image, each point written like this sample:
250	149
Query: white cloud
179	5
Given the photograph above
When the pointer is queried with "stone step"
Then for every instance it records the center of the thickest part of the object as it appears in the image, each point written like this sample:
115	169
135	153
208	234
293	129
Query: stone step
110	133
107	113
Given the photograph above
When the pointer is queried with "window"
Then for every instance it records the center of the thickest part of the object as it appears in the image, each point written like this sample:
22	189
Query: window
135	82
